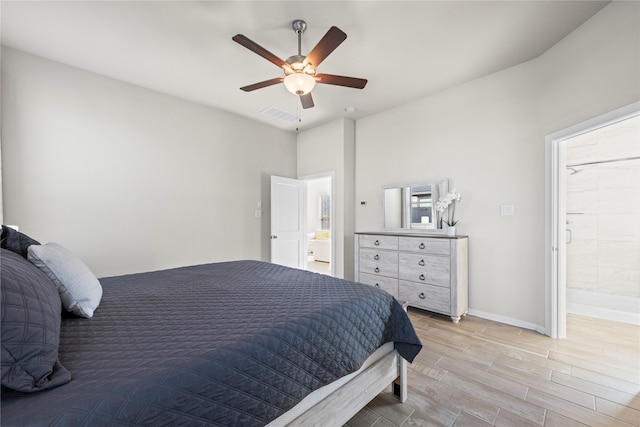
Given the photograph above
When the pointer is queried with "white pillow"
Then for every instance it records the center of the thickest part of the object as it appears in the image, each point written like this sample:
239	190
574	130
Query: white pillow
79	289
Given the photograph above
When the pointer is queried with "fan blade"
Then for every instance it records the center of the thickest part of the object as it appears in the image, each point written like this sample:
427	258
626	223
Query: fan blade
325	46
331	79
255	47
260	85
307	101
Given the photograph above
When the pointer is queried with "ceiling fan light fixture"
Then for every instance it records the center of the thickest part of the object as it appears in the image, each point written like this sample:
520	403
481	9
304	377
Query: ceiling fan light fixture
299	83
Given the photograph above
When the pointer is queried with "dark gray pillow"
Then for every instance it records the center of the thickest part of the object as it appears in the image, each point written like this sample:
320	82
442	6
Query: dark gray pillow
31	316
16	241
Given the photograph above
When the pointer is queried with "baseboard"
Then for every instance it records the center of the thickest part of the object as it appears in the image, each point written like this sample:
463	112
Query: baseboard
508	321
604	313
604	306
601	306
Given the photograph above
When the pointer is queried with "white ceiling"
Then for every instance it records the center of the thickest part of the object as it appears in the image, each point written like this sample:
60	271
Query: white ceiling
405	49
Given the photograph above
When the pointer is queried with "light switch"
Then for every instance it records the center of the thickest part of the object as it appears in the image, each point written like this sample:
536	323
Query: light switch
507	210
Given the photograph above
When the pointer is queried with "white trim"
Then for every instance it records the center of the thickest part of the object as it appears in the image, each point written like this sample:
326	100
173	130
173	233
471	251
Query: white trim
604	306
604	313
555	286
506	320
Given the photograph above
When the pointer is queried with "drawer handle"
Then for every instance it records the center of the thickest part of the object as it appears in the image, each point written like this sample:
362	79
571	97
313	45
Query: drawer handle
377	270
421	263
421	246
422	277
377	243
421	296
376	257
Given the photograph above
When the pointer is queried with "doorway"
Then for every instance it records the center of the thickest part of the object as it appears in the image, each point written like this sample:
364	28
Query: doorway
572	204
603	222
319	223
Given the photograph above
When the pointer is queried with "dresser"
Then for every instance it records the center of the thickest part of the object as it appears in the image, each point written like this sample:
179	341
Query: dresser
426	271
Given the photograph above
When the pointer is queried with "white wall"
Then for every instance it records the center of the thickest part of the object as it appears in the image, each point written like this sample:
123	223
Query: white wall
130	179
487	137
482	137
594	70
330	148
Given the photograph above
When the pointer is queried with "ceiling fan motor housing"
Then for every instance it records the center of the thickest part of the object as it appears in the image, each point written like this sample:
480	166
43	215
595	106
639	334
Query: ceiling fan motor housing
298	65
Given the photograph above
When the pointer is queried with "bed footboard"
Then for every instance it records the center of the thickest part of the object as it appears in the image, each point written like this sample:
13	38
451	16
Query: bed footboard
341	405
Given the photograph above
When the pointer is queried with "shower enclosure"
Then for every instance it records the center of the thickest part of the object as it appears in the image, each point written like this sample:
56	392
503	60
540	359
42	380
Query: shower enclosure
603	222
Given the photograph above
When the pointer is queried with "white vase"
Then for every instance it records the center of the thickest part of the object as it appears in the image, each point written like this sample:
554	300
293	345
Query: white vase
451	231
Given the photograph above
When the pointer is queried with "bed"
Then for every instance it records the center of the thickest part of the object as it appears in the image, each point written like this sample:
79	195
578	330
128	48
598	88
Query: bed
243	343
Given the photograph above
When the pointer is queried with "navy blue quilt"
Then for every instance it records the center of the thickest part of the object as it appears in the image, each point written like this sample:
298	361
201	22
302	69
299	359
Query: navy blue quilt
226	344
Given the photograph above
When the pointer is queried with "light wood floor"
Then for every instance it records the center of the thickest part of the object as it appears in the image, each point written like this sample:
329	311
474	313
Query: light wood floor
483	373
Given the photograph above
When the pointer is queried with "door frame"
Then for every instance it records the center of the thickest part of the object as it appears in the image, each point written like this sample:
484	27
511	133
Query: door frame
312	177
555	215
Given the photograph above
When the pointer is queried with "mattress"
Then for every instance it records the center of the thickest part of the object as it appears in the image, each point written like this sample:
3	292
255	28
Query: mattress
235	343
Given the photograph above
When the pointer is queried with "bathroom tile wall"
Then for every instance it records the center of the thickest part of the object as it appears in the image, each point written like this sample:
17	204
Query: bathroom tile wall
603	211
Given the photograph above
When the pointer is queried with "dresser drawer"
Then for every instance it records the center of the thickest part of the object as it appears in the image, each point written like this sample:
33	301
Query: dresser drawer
383	263
428	269
427	297
377	241
385	283
425	245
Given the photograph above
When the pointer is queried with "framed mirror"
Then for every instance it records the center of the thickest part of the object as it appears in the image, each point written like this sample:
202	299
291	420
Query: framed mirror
412	207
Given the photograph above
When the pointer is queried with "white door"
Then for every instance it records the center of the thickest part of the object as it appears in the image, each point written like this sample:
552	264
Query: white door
287	224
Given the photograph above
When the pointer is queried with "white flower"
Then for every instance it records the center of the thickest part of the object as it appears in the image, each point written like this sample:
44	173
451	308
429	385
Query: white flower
444	203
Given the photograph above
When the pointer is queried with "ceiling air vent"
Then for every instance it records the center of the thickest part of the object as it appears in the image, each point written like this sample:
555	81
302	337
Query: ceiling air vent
278	114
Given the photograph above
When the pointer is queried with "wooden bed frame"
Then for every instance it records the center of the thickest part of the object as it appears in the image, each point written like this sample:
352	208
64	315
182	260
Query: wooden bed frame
354	392
350	397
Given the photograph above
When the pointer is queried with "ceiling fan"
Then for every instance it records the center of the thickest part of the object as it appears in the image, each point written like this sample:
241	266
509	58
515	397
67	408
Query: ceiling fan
300	74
